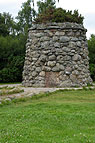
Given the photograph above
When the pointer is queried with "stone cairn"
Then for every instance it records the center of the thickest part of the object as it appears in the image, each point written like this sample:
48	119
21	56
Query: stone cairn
56	56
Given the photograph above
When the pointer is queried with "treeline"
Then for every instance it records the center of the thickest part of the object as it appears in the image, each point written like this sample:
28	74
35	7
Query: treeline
91	48
13	36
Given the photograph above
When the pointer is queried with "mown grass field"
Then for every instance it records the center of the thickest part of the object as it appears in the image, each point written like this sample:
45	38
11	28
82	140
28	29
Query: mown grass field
60	117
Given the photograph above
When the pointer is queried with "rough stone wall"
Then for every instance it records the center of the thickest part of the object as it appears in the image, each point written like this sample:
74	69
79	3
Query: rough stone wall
56	56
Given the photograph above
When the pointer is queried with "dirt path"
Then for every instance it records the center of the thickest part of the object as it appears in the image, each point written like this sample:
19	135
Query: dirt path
29	91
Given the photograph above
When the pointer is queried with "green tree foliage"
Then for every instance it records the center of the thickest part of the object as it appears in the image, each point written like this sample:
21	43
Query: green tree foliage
42	1
52	14
10	23
12	51
7	24
3	28
13	36
43	6
25	17
91	47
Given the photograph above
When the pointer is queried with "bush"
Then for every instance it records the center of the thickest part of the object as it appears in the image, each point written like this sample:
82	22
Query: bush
59	15
92	71
13	71
12	52
91	48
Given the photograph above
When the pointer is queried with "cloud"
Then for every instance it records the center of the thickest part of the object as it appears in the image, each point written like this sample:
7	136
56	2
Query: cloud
90	20
89	23
84	6
11	1
11	6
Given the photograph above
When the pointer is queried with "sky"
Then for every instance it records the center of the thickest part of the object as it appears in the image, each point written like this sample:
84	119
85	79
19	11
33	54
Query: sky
85	7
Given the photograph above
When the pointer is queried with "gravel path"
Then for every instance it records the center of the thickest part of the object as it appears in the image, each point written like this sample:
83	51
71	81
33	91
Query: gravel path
29	91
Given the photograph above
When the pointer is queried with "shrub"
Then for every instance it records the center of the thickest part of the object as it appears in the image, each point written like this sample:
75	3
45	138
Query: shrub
59	15
12	52
12	72
92	71
91	48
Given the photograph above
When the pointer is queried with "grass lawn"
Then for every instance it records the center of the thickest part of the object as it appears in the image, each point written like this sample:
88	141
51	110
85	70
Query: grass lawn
62	117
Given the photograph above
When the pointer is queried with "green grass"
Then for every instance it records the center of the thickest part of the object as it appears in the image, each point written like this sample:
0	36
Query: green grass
59	117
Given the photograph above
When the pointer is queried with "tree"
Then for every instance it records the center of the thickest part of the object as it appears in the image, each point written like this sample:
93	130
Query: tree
25	17
42	6
91	47
7	24
10	23
12	53
3	28
41	1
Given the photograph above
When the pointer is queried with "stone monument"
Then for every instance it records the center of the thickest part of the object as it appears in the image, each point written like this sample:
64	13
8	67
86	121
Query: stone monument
56	56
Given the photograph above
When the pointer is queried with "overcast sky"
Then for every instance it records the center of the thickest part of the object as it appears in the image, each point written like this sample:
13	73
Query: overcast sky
85	7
